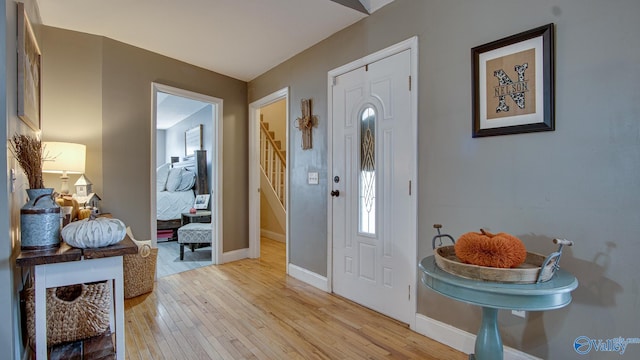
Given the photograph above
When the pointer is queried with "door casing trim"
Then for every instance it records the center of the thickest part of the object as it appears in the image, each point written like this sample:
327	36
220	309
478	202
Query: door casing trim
254	174
216	161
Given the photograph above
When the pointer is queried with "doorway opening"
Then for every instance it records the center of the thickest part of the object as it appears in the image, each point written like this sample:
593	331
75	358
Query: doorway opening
268	171
186	166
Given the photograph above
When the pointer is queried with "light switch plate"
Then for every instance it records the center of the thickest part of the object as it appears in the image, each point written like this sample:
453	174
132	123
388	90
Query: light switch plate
312	178
12	177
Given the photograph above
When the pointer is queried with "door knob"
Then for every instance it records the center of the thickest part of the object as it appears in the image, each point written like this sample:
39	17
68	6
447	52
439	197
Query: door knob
335	193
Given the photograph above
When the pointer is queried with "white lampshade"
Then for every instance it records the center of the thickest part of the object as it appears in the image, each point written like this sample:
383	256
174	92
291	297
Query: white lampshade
61	157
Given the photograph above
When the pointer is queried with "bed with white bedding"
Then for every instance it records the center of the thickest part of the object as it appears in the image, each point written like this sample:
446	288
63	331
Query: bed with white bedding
171	205
177	185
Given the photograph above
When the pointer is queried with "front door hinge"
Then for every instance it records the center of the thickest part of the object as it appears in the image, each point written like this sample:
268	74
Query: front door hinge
334	81
409	187
409	292
409	82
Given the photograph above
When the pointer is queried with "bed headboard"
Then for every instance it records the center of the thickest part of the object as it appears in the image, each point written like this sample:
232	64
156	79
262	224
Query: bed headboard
198	164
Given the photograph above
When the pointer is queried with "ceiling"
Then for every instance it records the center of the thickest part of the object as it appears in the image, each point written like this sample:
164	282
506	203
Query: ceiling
171	109
238	38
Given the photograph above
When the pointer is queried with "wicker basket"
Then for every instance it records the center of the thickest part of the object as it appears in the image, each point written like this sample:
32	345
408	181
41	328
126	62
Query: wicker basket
139	269
73	312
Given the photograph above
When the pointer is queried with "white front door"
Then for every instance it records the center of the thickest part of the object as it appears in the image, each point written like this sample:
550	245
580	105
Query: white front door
373	161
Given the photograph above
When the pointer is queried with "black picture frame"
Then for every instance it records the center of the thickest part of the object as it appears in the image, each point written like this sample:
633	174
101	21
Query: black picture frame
514	84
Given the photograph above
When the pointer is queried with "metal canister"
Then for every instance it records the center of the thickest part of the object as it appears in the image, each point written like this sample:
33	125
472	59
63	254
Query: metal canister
40	221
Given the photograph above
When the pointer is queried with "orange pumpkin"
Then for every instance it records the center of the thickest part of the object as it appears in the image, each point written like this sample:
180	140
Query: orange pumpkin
500	250
84	213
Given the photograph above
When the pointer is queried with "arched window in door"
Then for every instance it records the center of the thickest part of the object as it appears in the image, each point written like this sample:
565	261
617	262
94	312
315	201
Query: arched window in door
367	181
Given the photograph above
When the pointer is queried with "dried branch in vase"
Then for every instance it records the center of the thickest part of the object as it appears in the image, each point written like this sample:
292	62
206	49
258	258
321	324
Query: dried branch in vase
28	151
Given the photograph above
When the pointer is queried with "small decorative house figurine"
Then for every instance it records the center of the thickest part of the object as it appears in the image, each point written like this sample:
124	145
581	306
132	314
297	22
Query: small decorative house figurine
91	201
83	186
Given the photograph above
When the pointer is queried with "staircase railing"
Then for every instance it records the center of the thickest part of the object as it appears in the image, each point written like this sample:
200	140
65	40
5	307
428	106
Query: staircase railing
273	163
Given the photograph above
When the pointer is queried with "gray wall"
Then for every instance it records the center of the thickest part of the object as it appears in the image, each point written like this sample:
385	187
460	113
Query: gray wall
580	182
77	116
121	91
161	140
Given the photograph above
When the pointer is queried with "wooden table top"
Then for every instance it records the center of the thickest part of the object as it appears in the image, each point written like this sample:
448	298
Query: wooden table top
66	253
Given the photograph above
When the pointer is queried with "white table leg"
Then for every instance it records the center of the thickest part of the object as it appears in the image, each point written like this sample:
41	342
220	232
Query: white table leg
112	289
40	313
118	295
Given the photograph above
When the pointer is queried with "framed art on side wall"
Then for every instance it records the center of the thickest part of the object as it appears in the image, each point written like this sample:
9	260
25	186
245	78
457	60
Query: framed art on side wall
513	84
192	140
29	72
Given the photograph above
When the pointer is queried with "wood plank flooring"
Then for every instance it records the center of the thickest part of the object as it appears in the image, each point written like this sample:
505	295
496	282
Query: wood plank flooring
250	309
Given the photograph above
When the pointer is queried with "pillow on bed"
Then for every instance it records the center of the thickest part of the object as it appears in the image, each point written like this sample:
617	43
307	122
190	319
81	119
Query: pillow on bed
173	180
187	180
162	173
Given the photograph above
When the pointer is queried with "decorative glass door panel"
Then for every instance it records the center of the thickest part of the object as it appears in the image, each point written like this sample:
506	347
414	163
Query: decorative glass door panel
367	183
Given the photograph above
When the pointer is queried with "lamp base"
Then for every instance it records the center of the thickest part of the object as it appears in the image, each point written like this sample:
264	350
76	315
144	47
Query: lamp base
64	186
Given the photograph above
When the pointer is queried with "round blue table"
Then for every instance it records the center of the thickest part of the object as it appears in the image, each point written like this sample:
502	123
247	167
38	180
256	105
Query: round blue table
492	296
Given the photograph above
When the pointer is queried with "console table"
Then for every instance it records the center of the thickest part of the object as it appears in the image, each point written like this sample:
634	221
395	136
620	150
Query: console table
67	265
492	296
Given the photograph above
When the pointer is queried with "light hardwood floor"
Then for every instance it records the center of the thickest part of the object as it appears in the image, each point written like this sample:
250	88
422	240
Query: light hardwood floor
250	309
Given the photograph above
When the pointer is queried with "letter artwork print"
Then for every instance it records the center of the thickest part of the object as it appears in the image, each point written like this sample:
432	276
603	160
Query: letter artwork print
511	98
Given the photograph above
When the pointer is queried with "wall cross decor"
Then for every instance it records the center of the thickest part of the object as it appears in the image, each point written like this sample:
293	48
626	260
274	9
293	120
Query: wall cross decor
306	123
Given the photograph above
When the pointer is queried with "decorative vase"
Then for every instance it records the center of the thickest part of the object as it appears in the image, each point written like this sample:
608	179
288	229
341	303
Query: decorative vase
40	221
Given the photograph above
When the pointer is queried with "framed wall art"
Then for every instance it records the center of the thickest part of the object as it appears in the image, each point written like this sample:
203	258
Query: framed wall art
513	84
192	140
29	72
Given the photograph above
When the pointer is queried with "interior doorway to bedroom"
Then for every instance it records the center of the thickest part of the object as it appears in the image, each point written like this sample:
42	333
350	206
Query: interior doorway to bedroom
186	170
268	172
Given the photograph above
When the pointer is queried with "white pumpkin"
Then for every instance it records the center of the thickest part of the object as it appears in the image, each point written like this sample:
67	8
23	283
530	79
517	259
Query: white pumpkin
88	233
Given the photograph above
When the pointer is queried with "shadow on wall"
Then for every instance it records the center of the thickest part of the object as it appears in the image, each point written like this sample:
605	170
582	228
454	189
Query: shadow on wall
594	290
534	339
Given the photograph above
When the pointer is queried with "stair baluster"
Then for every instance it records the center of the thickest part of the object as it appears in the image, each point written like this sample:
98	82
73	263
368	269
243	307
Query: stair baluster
272	162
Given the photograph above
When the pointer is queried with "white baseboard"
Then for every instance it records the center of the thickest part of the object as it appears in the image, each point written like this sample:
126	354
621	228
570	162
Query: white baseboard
234	255
459	339
309	277
273	235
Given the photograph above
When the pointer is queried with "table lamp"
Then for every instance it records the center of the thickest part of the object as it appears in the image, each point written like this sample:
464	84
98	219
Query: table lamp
64	158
